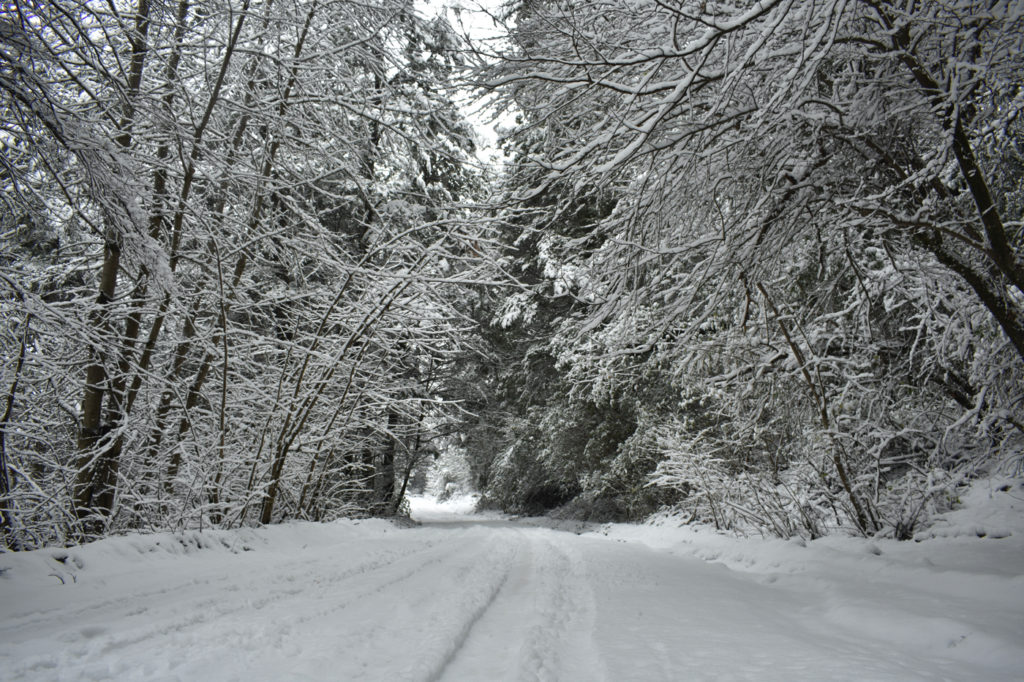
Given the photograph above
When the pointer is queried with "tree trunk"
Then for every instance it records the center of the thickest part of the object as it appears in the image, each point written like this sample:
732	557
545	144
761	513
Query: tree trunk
96	478
385	477
6	501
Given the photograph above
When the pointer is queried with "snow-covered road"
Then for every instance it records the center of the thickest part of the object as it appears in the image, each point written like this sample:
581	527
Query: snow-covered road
492	600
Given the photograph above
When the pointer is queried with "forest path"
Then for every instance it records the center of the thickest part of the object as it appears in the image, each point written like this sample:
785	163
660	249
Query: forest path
456	599
579	608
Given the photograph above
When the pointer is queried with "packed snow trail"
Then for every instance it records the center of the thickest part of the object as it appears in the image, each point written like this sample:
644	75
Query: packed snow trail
489	600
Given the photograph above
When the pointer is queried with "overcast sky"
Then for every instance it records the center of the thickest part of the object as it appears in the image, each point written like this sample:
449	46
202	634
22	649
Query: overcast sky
475	18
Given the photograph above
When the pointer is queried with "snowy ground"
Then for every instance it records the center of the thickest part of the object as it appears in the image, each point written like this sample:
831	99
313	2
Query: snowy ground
492	599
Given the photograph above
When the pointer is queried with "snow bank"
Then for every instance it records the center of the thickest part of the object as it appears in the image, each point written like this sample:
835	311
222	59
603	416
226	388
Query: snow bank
958	588
984	534
113	558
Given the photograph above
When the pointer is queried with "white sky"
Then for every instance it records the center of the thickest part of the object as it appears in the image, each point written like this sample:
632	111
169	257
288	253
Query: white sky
476	18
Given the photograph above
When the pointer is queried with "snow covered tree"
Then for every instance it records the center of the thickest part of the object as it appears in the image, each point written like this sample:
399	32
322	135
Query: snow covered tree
819	229
235	245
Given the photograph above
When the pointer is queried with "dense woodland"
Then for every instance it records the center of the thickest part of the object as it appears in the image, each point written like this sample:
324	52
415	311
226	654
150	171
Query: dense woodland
758	264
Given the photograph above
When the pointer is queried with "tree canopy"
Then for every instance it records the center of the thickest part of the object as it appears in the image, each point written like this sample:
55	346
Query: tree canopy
756	262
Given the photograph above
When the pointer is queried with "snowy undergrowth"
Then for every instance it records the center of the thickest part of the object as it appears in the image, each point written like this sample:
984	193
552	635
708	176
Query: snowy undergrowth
985	533
985	530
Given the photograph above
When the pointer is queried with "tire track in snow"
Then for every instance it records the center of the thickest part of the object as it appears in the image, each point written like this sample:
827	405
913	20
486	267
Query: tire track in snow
460	639
97	645
522	589
20	621
538	626
433	623
559	643
350	624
